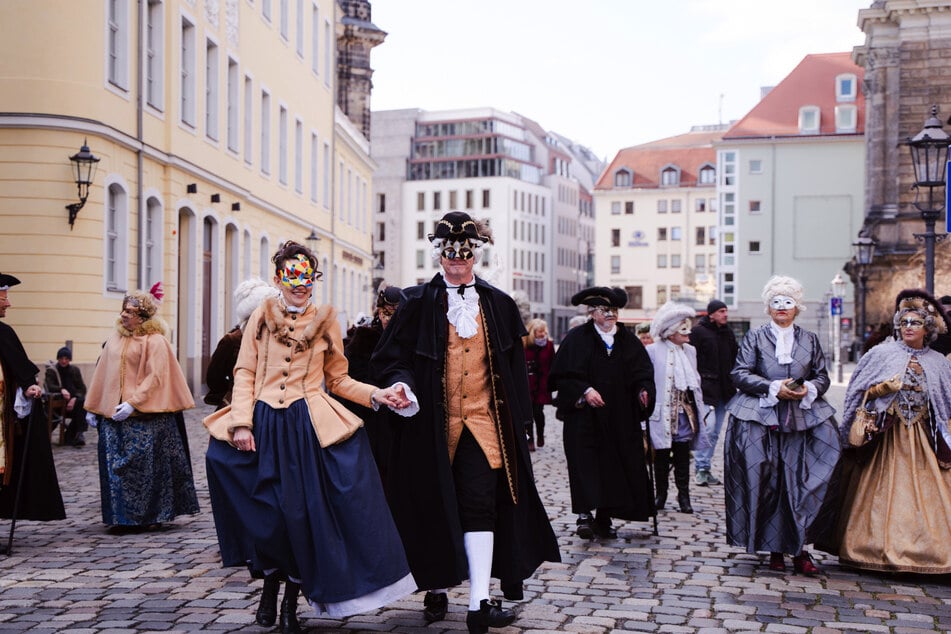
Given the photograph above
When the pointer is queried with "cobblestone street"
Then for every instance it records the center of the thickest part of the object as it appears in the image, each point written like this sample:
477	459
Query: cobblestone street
72	576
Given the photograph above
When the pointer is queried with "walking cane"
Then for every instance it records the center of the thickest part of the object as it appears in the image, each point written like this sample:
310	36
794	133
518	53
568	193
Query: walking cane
649	457
8	550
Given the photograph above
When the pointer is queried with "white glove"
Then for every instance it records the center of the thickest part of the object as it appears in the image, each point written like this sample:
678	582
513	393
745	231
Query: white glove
123	411
92	420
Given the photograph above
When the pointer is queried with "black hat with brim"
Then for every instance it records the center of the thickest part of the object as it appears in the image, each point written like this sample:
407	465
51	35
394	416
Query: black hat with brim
600	296
389	295
6	281
457	225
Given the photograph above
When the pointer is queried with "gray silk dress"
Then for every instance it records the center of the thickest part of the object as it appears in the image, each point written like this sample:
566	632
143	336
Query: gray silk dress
778	459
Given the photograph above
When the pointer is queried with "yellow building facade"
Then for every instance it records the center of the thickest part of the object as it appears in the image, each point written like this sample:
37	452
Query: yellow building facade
217	134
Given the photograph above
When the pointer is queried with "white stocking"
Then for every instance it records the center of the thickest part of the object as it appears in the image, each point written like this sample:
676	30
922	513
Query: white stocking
479	553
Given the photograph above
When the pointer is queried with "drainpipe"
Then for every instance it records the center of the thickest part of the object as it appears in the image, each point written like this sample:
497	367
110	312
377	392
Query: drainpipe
139	158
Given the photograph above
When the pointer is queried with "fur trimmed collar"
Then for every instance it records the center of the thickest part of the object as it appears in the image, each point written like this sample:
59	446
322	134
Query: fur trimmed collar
277	321
151	326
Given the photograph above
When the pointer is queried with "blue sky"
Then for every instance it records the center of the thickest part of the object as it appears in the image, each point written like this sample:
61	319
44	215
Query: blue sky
607	73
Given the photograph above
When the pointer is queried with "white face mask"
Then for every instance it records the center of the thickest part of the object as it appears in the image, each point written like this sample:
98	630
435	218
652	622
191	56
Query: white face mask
541	342
782	302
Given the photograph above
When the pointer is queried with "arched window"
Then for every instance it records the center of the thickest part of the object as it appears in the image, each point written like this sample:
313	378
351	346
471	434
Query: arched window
707	175
116	240
153	241
264	255
623	178
670	176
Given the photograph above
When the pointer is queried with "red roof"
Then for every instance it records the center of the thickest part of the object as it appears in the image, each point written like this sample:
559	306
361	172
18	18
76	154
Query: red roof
811	83
687	152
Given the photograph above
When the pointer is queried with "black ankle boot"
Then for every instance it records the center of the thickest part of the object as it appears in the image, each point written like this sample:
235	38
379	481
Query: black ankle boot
681	460
490	614
684	500
289	623
435	606
267	608
585	526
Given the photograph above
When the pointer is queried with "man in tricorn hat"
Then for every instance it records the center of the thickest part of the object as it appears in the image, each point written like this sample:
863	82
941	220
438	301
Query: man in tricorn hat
39	498
460	481
605	384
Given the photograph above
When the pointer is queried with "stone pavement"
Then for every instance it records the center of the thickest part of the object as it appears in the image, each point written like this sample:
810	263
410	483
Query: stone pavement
72	576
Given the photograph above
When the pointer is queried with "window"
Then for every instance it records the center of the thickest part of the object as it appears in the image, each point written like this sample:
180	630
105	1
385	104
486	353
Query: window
661	295
211	90
701	236
754	246
282	144
635	297
756	166
117	46
616	208
728	159
661	234
712	235
326	164
615	237
700	205
469	198
437	201
700	262
846	87
485	198
381	203
187	73
661	206
674	292
117	235
266	12
315	39
622	178
755	207
299	156
661	260
265	132
708	175
328	52
629	207
670	176
285	19
155	55
381	231
421	201
248	114
153	241
615	264
232	105
846	119
299	31
675	261
420	259
420	230
675	206
675	233
809	120
314	150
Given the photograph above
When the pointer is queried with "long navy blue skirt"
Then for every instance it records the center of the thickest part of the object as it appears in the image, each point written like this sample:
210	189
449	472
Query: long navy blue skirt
316	514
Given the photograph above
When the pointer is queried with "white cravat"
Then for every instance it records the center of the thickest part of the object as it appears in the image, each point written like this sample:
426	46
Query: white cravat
608	337
784	342
463	310
683	377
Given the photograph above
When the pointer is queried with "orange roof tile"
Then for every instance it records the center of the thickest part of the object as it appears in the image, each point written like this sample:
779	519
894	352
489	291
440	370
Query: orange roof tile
689	152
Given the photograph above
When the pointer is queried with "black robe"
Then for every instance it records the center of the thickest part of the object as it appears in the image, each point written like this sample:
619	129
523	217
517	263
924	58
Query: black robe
358	348
40	498
419	482
604	446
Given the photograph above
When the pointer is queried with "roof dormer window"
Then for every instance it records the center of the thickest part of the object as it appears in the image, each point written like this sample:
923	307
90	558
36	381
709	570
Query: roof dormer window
707	175
809	120
623	178
670	176
846	87
846	119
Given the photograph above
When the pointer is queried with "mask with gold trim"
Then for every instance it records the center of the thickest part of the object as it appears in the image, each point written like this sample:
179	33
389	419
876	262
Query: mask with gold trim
297	272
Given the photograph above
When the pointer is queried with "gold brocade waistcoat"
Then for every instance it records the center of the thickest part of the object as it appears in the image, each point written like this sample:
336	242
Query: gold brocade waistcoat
469	394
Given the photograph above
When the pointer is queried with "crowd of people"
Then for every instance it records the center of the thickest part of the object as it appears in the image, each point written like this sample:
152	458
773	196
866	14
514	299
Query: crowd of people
356	471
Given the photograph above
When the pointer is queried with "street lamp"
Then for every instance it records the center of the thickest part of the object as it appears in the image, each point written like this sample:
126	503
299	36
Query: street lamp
835	312
84	168
864	250
929	155
312	241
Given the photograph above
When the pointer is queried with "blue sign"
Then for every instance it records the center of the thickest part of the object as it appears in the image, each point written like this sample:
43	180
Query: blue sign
835	305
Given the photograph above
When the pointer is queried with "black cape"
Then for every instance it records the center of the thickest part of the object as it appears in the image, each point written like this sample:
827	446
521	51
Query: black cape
40	498
604	447
419	482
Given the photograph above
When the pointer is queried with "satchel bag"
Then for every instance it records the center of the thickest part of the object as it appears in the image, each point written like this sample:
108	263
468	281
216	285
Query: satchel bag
864	425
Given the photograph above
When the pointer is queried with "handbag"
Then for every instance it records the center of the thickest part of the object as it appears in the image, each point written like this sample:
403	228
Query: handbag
864	425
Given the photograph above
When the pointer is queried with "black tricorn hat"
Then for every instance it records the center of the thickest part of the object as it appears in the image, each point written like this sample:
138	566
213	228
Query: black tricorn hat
7	281
600	296
920	299
457	225
389	295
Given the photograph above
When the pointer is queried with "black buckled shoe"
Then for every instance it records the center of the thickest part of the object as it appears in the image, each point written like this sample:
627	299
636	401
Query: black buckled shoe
585	528
490	614
435	606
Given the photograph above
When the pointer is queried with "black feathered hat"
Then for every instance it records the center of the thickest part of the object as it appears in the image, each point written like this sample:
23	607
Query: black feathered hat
600	296
457	225
6	281
389	296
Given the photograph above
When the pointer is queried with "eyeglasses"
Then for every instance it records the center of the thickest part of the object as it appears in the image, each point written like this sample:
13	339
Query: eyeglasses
914	324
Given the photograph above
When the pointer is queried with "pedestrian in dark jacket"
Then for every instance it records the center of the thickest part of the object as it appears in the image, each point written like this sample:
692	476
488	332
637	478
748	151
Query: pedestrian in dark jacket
539	353
716	355
65	379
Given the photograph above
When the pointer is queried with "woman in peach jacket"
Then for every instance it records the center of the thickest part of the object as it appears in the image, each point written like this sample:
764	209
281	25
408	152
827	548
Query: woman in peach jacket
290	468
145	476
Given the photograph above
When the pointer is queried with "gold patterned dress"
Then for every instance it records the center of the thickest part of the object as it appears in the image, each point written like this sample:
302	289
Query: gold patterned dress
899	519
